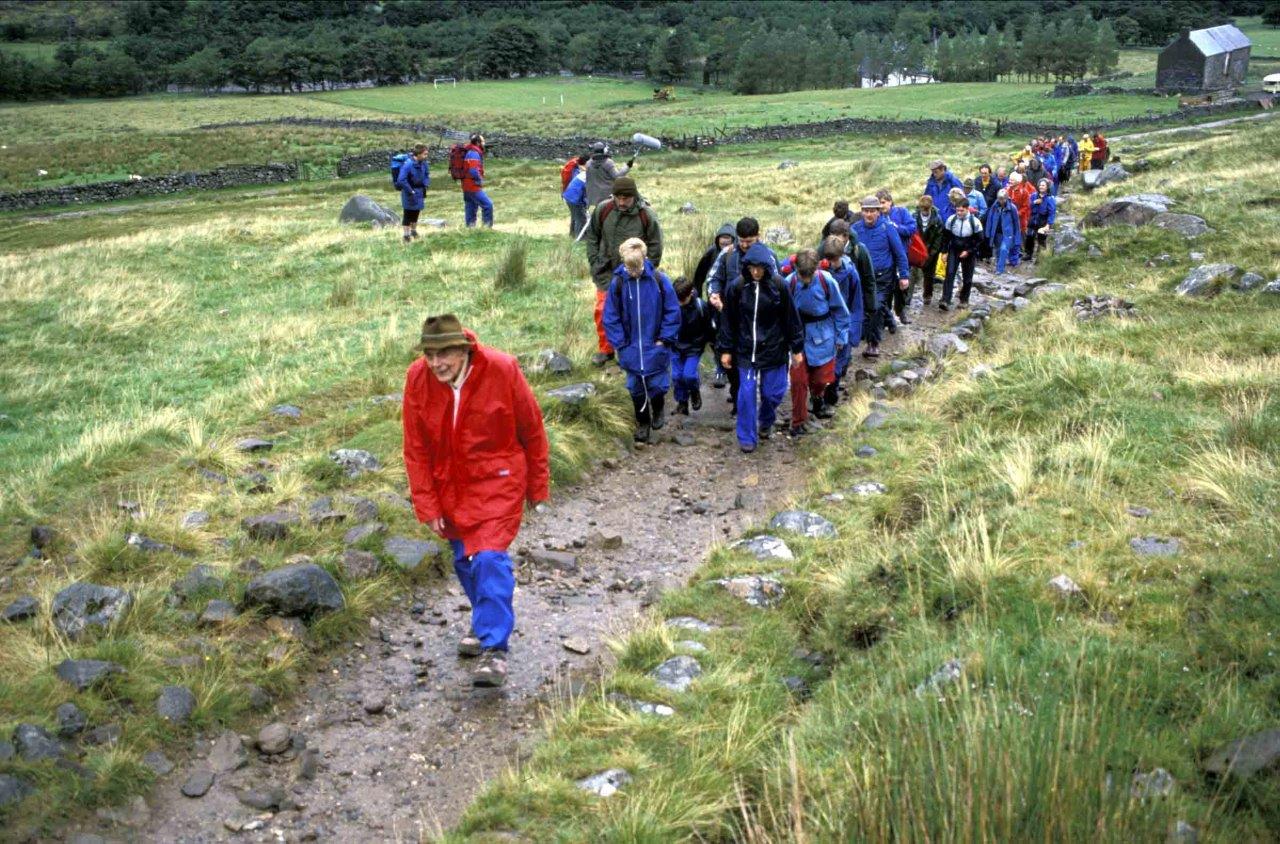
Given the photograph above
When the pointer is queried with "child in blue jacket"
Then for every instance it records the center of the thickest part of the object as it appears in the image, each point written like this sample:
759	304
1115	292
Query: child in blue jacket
696	331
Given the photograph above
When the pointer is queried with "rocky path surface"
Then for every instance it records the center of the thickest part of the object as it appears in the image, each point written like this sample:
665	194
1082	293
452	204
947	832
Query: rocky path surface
389	741
1214	124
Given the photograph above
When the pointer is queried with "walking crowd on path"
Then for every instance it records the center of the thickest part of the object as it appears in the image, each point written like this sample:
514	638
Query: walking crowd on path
475	447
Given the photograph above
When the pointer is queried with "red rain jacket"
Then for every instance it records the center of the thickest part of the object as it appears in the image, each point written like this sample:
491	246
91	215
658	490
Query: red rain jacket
567	172
478	473
1020	195
474	178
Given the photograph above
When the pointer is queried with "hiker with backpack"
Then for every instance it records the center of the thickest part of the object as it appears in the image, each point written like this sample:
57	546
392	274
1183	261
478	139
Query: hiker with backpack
642	322
697	330
602	172
475	452
825	317
963	233
466	165
411	175
889	263
760	336
725	237
845	274
622	216
929	227
724	270
575	196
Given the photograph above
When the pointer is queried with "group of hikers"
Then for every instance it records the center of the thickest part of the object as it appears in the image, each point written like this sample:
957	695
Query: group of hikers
411	175
797	321
475	448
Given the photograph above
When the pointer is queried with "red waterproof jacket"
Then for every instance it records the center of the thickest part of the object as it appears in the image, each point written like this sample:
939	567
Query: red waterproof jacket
1020	195
567	172
478	472
474	178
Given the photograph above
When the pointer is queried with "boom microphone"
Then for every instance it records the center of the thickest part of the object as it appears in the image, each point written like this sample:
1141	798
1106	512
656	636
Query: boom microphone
647	141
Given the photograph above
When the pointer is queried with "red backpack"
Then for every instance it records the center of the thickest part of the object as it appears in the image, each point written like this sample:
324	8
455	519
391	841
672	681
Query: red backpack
458	162
917	251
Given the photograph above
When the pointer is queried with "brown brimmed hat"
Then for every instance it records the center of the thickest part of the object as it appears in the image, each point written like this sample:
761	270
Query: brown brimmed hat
442	332
870	202
625	186
936	163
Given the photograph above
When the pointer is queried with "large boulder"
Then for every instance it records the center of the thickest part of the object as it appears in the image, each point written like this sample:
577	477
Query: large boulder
1134	210
1206	279
573	394
302	589
1187	225
84	605
362	209
1246	756
1066	239
1113	172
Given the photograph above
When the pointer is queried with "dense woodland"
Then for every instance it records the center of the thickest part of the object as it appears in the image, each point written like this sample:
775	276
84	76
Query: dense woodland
113	48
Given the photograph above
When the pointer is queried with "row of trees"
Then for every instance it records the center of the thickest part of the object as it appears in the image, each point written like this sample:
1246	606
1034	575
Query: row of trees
290	44
1067	47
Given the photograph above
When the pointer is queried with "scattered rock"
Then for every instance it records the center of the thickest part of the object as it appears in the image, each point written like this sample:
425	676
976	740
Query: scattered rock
1064	586
287	410
267	799
227	753
573	394
200	578
688	208
1092	307
374	701
868	488
549	360
981	371
295	590
7	751
576	645
250	445
1187	225
269	527
677	673
1155	546
198	783
787	164
606	783
175	704
408	553
804	523
798	686
147	545
779	236
1066	239
12	790
1272	286
274	739
1183	833
641	706
217	613
21	609
554	560
358	565
71	720
355	461
874	420
1019	303
947	673
360	533
690	645
85	673
764	548
33	743
158	763
1135	210
362	209
941	345
1157	783
1248	282
1138	512
287	628
194	519
1206	279
865	452
108	735
757	590
1045	289
1247	756
687	622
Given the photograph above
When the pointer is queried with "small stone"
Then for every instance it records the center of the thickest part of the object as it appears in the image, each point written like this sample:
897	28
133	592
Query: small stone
573	394
107	735
195	519
175	704
12	790
1246	756
408	553
198	783
259	699
787	164
42	536
864	489
7	751
274	739
677	673
250	445
798	686
757	590
262	799
804	523
941	345
686	622
218	613
287	628
690	645
865	452
82	606
358	565
688	208
227	753
949	672
309	764
147	545
779	236
606	783
157	762
764	548
981	371
33	743
71	720
296	590
21	609
1249	281
1157	783
355	462
374	701
1155	546
549	360
644	707
1206	280
270	527
1064	585
83	674
360	533
874	420
1138	512
554	560
576	645
287	410
200	578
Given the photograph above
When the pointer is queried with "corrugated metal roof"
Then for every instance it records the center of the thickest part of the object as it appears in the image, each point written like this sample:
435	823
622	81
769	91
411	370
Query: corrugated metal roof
1219	39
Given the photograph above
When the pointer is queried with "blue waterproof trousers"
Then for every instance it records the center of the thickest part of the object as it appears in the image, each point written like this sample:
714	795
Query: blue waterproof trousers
489	581
760	391
684	371
473	201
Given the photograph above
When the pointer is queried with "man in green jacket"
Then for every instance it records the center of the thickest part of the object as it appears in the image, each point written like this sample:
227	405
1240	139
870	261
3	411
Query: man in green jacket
623	215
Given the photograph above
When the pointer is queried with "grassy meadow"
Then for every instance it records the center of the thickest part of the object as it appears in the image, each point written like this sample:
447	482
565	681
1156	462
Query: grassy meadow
1062	705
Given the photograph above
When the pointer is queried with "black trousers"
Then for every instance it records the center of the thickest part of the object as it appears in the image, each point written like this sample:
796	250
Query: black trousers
1030	241
965	266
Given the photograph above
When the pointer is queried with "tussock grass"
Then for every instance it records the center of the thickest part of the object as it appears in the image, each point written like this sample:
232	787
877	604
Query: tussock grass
512	273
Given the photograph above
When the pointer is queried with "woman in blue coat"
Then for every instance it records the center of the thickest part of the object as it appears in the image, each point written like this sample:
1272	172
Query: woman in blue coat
1044	212
1004	230
413	180
825	317
642	322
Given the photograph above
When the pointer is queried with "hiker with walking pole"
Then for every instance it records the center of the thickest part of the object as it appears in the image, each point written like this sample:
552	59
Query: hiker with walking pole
475	451
622	216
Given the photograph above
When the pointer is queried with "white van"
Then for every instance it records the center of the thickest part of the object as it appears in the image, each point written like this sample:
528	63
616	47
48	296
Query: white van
1271	83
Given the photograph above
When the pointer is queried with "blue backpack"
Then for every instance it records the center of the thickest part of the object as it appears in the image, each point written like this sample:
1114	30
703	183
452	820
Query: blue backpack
397	161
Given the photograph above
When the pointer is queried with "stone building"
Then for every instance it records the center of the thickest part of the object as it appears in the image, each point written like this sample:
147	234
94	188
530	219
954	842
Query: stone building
1203	60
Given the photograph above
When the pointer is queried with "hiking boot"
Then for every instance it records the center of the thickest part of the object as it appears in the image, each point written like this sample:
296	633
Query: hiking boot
747	449
682	408
408	239
891	325
491	670
601	358
823	411
721	380
658	403
766	433
872	352
414	234
695	400
904	319
944	306
642	433
831	395
469	645
797	431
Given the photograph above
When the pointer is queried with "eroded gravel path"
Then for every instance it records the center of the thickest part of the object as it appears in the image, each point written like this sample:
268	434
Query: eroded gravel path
641	524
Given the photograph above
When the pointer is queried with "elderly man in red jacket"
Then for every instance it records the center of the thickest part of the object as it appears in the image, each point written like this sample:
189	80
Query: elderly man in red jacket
475	451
